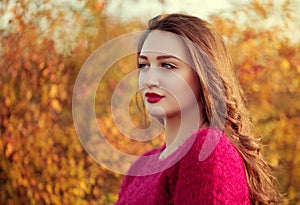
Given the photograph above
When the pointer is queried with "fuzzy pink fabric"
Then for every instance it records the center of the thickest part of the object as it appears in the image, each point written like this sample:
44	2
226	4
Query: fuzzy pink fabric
206	169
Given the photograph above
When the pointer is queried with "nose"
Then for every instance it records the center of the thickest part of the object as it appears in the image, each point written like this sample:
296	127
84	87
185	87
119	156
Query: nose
150	78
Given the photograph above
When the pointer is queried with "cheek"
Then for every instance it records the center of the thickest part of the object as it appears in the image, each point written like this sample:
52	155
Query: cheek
141	80
185	93
194	84
188	83
141	85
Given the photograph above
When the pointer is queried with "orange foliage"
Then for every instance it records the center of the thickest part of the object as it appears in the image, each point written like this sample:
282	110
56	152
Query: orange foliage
267	64
41	158
43	162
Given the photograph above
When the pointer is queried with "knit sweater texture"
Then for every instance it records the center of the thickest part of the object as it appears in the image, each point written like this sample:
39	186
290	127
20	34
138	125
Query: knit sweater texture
205	169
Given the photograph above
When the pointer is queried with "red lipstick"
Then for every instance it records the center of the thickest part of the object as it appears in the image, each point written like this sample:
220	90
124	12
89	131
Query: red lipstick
153	97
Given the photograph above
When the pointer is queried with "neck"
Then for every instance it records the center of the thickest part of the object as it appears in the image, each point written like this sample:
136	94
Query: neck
180	127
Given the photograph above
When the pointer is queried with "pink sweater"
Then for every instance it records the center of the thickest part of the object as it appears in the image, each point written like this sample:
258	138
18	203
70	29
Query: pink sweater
202	171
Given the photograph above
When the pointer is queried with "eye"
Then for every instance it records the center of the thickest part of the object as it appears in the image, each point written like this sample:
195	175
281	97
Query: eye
168	65
142	65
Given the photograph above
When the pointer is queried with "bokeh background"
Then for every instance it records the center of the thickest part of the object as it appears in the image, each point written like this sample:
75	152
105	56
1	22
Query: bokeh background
44	43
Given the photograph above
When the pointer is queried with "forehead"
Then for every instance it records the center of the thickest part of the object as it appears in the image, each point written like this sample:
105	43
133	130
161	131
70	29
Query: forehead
168	43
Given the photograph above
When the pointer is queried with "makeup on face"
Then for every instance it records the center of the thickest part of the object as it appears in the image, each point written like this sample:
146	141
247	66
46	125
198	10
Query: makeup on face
153	97
165	77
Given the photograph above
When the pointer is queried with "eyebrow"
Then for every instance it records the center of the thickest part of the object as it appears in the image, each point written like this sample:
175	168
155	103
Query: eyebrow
160	57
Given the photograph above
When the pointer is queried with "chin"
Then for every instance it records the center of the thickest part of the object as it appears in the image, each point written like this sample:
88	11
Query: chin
157	112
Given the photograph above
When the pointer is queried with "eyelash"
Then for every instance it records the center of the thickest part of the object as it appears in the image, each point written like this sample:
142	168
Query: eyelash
142	65
167	66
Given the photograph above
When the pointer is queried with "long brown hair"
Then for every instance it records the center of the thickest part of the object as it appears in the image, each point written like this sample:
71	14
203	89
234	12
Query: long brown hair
211	50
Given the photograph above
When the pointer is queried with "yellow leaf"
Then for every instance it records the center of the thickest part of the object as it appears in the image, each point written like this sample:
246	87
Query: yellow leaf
9	150
7	101
41	121
285	64
56	106
53	91
28	94
83	185
255	87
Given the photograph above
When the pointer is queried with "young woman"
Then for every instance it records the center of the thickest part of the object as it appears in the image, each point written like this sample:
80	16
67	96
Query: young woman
210	156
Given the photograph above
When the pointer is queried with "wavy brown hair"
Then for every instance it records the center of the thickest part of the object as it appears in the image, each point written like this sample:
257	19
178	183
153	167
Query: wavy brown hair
214	67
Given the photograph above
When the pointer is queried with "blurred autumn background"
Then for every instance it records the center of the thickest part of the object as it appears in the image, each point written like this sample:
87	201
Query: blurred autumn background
43	47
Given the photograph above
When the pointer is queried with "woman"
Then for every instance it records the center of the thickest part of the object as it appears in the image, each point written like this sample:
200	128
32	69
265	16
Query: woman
210	157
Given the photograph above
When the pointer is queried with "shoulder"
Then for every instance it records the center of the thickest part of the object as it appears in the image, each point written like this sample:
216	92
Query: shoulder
213	145
213	169
154	151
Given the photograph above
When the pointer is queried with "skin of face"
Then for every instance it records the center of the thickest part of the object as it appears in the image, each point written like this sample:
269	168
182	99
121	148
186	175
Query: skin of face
165	70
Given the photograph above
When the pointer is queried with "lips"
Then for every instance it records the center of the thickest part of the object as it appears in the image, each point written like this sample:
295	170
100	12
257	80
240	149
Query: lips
153	97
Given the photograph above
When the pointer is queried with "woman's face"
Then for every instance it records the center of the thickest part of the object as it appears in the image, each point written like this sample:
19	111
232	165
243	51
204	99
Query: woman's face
167	82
